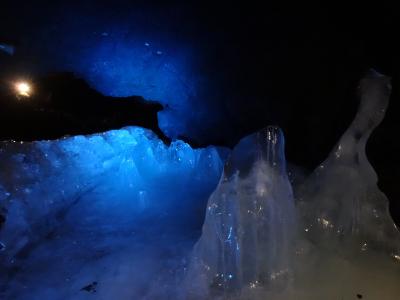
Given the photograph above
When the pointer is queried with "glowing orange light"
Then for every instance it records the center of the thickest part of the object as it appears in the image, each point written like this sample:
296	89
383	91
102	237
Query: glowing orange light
23	89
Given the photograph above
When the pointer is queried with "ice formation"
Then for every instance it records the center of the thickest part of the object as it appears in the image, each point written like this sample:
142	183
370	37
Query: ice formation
340	201
76	210
248	233
348	241
116	216
338	242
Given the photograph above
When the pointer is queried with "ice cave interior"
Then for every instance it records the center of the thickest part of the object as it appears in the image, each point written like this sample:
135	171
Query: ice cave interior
122	215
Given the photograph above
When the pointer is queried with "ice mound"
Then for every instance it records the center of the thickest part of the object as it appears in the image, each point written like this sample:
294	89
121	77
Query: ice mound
337	241
249	228
68	206
340	200
348	241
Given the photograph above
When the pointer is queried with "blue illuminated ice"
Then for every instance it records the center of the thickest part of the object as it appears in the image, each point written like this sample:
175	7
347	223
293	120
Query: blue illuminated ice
7	48
81	205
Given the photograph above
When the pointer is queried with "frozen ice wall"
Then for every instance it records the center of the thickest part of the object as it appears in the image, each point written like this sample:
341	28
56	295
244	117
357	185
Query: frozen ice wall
68	205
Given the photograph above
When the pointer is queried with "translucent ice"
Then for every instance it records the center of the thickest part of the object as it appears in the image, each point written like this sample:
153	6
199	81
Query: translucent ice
337	242
248	232
341	201
347	236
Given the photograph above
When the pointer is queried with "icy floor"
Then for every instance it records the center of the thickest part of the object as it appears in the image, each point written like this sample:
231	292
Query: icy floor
149	265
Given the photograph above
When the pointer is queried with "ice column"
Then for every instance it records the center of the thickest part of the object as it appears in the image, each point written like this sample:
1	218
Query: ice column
247	236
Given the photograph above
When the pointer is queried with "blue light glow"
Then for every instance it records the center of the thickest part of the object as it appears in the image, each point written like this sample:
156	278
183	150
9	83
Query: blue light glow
131	56
105	182
78	205
133	65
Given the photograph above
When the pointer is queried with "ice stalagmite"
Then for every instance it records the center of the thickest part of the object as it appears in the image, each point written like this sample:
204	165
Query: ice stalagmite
247	236
349	242
336	241
341	203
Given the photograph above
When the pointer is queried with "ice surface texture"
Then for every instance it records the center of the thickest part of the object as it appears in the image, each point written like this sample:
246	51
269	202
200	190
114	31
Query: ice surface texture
66	206
248	232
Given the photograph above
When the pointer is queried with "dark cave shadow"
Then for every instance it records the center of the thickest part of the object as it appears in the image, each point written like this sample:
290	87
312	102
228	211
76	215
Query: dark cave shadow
62	104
